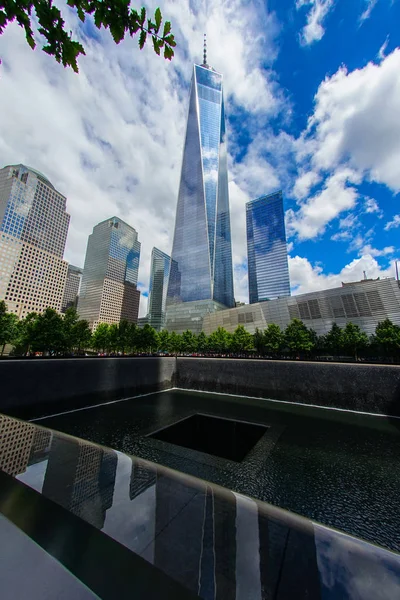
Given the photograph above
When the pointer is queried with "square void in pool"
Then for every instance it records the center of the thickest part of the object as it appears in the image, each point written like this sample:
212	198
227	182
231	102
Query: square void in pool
225	438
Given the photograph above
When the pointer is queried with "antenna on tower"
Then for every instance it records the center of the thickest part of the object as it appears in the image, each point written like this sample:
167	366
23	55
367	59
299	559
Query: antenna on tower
205	51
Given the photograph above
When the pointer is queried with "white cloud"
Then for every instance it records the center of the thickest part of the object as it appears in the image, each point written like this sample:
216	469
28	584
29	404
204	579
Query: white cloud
313	216
371	206
111	138
305	277
313	31
356	121
381	52
367	12
368	249
304	183
393	224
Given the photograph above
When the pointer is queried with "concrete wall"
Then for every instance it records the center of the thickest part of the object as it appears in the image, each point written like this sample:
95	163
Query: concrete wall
366	388
32	388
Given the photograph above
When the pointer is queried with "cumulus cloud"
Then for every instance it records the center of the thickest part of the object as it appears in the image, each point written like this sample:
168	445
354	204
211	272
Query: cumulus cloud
356	121
305	277
313	31
313	216
371	206
393	224
304	183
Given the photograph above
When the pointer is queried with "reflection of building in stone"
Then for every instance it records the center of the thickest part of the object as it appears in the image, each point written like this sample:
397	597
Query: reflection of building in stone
81	478
16	438
142	477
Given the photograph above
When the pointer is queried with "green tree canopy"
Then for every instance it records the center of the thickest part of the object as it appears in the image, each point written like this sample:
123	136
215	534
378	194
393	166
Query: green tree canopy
241	340
333	340
174	342
258	341
163	340
115	15
202	342
188	342
387	336
48	332
8	326
101	337
219	340
274	338
148	339
297	337
354	339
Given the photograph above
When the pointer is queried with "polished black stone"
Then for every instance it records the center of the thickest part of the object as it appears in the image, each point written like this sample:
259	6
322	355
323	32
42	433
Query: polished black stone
226	438
128	528
336	468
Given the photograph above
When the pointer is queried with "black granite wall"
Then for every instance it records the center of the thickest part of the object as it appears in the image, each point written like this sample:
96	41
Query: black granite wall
367	388
33	388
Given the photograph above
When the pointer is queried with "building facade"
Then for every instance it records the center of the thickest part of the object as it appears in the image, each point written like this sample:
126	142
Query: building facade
109	282
159	275
268	268
201	265
33	232
72	285
365	303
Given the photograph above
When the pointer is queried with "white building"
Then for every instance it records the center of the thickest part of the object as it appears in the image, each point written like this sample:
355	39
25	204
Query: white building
365	303
33	232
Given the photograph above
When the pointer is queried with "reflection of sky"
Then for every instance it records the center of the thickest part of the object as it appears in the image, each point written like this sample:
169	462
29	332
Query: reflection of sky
131	522
351	569
34	475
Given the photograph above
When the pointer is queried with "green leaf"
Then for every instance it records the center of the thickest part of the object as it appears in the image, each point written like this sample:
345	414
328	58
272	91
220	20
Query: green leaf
167	28
30	40
168	52
170	40
142	39
142	15
158	19
156	45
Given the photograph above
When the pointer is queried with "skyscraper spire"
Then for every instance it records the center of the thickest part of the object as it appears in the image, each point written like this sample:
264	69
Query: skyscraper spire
205	51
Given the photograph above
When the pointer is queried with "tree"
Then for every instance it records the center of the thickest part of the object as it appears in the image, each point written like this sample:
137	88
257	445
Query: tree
274	338
202	342
297	337
333	340
219	340
188	342
258	341
48	332
113	338
387	336
124	335
241	340
81	335
163	340
174	342
101	337
70	319
354	338
115	15
8	326
26	332
148	338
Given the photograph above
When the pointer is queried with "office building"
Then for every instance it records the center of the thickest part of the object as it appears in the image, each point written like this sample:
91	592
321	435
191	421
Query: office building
266	249
365	303
109	281
159	275
33	231
72	285
201	278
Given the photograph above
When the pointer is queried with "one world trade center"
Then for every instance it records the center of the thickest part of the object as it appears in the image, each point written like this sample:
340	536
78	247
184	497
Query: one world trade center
201	278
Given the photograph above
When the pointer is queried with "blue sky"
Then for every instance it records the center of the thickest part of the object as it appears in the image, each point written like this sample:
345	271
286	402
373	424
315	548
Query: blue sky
312	93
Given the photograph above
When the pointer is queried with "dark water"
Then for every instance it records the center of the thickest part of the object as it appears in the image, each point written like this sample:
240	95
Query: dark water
339	469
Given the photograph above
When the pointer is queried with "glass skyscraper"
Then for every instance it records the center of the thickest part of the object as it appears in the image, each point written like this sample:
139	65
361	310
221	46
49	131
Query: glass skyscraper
266	248
108	289
159	275
201	267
